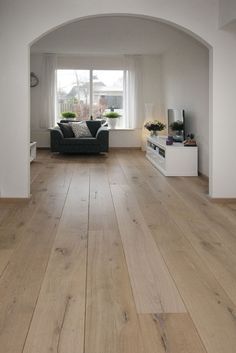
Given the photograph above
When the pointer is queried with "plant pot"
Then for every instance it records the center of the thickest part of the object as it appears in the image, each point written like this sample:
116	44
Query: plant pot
112	122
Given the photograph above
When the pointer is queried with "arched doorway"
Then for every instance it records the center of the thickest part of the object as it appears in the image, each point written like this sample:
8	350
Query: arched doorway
91	20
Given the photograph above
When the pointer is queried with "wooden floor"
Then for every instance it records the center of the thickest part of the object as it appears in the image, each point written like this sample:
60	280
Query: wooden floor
109	256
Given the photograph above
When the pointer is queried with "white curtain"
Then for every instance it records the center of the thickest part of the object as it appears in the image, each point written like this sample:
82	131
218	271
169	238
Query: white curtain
48	91
133	101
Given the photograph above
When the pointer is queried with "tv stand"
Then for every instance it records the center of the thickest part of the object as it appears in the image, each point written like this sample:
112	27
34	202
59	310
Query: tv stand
174	160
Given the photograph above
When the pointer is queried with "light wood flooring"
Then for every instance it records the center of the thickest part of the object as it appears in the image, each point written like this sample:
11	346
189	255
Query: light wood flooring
109	256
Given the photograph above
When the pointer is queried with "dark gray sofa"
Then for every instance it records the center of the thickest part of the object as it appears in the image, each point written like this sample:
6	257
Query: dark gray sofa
99	142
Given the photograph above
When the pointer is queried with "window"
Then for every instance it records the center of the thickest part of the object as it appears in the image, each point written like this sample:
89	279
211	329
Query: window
73	92
90	92
107	91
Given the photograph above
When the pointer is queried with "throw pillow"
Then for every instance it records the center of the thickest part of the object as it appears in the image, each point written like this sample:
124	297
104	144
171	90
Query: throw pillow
93	126
80	129
66	130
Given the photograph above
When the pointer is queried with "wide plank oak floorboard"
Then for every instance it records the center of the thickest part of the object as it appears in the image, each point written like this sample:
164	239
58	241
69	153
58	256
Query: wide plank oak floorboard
109	256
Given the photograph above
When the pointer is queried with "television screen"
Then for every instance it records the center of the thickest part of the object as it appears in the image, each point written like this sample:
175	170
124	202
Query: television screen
176	124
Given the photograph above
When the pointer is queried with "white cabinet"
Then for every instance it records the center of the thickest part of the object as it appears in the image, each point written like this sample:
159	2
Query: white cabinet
174	160
33	146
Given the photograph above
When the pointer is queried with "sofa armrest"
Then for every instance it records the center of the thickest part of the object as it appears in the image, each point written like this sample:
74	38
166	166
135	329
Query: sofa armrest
103	137
56	138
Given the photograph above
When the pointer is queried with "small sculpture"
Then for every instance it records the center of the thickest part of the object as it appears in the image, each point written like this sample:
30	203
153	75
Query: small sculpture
190	141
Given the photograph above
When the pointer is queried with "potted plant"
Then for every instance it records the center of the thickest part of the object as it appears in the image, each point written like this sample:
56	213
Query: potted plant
68	115
112	118
154	126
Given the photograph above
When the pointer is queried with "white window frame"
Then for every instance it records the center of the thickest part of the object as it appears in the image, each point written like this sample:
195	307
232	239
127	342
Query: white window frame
125	124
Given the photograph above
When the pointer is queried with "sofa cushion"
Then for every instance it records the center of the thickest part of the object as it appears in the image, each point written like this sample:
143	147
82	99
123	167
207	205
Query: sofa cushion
80	129
66	121
93	126
80	141
66	130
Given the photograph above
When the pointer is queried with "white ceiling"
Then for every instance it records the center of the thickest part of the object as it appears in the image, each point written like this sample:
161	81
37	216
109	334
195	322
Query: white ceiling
110	35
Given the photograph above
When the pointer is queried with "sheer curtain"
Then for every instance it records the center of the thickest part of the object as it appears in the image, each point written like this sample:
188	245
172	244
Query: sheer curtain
48	91
133	91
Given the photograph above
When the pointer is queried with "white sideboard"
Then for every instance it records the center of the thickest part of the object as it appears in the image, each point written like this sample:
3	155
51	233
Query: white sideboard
174	160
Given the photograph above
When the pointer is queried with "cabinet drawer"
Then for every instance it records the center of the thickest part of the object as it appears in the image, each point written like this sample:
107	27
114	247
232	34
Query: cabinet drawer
156	159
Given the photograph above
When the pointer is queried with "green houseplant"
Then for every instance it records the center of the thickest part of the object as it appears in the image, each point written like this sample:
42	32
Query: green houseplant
112	115
68	115
112	118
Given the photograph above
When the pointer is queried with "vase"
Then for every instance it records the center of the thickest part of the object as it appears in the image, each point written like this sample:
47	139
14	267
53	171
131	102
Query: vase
154	133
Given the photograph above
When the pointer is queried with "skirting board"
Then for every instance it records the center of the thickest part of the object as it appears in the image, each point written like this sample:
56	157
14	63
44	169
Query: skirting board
222	200
203	176
14	199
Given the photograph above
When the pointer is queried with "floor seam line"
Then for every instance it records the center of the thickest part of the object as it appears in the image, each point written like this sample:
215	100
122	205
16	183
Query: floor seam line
86	278
40	289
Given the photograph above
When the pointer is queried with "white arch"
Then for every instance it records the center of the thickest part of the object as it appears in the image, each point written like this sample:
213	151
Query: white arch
195	35
24	22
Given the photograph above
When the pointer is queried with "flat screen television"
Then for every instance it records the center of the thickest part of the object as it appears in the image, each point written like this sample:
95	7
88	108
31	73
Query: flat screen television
176	124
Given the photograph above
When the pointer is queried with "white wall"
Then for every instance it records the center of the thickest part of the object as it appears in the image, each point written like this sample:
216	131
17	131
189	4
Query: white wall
152	91
224	118
185	83
227	12
199	17
36	66
130	138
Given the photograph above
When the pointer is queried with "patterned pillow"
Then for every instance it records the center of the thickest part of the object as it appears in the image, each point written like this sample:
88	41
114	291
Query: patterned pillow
80	129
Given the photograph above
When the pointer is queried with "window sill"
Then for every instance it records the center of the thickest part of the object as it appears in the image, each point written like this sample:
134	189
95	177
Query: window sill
120	129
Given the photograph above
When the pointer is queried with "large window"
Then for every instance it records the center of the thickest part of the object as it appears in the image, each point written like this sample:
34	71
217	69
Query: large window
107	91
73	92
90	92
